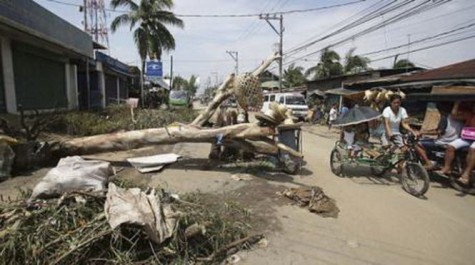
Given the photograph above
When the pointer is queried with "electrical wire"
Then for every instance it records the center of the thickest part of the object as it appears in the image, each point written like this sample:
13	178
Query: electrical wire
295	11
420	8
425	48
420	40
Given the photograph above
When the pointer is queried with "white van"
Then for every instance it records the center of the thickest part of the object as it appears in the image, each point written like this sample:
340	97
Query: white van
293	101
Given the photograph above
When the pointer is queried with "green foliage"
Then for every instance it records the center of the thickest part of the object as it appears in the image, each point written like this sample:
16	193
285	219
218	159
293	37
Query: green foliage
153	16
355	63
179	83
328	66
294	76
116	118
190	85
403	63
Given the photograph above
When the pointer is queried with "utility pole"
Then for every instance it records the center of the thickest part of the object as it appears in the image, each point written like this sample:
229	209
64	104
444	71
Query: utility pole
215	78
235	56
408	50
84	9
171	72
97	22
280	32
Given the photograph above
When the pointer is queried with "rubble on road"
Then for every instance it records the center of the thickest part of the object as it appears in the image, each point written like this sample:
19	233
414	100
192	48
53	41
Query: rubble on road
314	199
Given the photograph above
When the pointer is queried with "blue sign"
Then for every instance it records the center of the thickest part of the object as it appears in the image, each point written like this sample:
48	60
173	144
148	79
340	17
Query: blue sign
154	70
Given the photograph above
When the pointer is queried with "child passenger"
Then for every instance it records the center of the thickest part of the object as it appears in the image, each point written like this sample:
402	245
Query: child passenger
348	138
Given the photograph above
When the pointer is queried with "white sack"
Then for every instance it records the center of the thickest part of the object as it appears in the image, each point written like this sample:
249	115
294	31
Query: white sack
73	173
133	206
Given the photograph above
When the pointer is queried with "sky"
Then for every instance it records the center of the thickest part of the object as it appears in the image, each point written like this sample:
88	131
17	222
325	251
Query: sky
201	46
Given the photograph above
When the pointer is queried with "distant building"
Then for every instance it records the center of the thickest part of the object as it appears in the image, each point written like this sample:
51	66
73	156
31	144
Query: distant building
333	87
421	84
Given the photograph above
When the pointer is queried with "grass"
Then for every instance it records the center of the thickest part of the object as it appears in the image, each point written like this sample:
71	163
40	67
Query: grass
116	118
86	123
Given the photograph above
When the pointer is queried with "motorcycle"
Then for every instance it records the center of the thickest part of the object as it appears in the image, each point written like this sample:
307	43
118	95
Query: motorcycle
436	155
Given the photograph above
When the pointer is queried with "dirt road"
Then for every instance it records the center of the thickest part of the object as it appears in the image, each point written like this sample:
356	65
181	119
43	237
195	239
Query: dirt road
378	222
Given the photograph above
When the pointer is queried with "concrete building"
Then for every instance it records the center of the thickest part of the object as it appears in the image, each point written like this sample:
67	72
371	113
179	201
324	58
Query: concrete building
40	54
47	63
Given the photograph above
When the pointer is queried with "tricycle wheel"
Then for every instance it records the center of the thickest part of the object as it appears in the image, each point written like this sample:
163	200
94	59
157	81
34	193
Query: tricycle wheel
293	167
378	170
415	179
458	167
336	163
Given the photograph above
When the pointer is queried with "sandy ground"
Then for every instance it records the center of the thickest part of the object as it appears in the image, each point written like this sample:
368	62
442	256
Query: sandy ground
378	222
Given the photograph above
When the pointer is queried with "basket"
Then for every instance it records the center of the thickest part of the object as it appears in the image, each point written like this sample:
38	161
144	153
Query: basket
248	92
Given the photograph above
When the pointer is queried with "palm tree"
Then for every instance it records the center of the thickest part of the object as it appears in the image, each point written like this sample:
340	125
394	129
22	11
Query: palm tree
294	75
179	83
328	66
152	17
355	63
192	85
403	63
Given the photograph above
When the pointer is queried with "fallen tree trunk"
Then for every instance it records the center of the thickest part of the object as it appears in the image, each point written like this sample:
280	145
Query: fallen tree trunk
167	135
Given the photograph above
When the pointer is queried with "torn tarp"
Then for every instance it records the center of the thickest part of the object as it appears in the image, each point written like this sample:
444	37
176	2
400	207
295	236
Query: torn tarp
133	206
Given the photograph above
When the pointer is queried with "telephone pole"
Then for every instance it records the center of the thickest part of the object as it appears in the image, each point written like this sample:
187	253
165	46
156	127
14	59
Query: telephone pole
235	56
84	9
280	32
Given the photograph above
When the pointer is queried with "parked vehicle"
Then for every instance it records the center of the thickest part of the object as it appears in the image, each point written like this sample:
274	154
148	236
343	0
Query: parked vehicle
293	101
180	98
230	103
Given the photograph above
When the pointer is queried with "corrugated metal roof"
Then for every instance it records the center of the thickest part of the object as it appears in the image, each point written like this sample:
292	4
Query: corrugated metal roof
462	70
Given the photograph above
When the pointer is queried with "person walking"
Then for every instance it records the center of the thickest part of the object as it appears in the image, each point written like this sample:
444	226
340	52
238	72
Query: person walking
332	116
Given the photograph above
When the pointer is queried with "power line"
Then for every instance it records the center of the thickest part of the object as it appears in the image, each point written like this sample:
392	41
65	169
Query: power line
363	18
420	8
420	40
425	48
361	13
288	12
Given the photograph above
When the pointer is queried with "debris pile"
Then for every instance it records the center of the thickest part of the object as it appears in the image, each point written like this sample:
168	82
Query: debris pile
80	228
314	199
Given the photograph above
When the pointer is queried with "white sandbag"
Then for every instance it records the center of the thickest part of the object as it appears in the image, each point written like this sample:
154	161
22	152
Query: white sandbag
73	173
133	206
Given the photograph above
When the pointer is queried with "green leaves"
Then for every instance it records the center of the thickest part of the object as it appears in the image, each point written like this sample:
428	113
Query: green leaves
152	36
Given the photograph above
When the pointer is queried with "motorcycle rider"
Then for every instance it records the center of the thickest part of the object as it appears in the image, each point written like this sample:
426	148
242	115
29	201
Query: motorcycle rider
447	131
468	116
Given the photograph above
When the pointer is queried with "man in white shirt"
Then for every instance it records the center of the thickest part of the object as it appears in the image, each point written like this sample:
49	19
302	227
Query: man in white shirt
332	116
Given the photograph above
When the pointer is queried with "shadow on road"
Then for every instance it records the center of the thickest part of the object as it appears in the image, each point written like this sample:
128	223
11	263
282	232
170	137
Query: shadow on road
363	175
204	164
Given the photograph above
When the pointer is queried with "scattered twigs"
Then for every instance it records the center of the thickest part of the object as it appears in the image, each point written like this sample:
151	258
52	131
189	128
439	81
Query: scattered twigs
48	232
236	244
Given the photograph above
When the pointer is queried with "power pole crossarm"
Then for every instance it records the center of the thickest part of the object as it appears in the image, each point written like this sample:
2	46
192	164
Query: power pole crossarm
235	56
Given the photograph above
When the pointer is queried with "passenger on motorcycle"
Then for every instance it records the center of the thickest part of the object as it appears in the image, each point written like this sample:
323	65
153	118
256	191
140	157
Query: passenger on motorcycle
395	116
468	116
447	131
